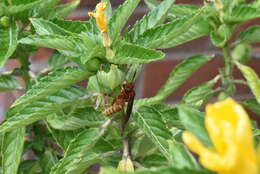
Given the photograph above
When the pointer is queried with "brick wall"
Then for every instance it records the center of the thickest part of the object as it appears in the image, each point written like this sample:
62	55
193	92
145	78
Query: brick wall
154	74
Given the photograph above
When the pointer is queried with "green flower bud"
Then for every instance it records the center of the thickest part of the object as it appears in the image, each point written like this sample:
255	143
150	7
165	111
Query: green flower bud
242	53
220	37
126	165
93	65
111	79
5	21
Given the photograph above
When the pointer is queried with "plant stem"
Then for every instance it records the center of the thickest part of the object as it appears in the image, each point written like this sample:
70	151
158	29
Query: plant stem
227	78
25	68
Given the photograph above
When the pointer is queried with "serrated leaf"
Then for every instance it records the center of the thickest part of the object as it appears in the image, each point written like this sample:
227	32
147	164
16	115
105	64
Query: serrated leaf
45	6
8	38
195	31
79	118
177	10
11	150
197	96
170	115
43	107
45	27
242	13
74	46
127	53
52	83
150	121
162	36
176	78
252	79
62	11
193	121
157	16
169	170
252	105
120	17
63	138
79	155
48	160
181	157
57	60
250	35
8	82
15	9
73	26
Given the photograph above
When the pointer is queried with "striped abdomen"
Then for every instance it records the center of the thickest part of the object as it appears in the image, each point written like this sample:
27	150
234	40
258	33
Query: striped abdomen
116	107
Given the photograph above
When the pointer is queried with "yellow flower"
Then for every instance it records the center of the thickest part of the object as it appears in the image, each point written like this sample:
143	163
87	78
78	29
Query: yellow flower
100	16
230	131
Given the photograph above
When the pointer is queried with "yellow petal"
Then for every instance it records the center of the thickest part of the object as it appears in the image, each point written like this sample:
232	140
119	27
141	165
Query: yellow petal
100	16
230	131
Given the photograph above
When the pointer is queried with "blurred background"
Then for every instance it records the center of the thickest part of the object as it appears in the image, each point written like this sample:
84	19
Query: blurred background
155	74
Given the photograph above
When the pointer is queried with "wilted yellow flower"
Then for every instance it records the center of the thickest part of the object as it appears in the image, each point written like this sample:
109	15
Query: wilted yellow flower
126	165
100	16
230	131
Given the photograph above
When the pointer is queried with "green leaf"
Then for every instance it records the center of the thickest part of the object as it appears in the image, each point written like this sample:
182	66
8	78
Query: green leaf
193	121
177	10
252	79
168	170
150	121
197	96
252	105
79	118
127	53
48	160
8	38
181	157
45	27
154	160
44	7
250	35
52	83
170	115
57	60
62	11
30	167
11	150
157	16
109	9
120	17
63	138
15	9
195	31
9	82
73	26
41	108
242	13
168	35
79	154
177	77
73	46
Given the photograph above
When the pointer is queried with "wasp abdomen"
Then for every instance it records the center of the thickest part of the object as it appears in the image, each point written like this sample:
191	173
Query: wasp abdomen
113	109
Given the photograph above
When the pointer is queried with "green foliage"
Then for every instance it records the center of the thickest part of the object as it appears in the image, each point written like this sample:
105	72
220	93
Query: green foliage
252	78
59	117
177	77
8	82
8	39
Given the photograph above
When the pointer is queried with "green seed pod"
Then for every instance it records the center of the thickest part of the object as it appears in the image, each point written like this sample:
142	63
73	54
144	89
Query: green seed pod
220	37
222	96
93	65
111	79
242	53
5	21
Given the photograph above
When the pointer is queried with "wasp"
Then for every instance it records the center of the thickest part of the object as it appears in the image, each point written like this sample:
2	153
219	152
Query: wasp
127	94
